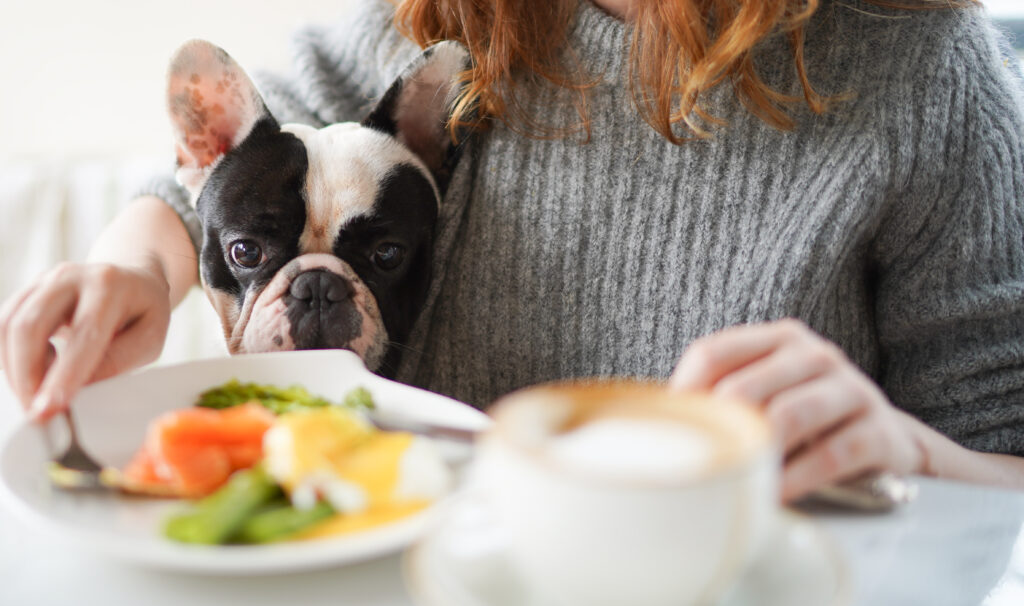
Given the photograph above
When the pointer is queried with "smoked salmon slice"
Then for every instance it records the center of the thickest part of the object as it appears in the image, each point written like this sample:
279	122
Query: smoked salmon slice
191	452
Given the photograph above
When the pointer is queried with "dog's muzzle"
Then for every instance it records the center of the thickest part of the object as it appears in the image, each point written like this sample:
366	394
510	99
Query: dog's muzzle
321	310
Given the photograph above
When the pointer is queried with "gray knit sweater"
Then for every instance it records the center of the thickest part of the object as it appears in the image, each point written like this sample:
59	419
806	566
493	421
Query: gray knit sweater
893	225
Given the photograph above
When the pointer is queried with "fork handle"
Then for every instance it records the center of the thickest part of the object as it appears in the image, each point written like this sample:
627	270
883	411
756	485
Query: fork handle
430	430
71	424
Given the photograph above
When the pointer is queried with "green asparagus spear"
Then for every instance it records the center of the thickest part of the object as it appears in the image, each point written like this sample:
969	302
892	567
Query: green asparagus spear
219	516
280	522
358	398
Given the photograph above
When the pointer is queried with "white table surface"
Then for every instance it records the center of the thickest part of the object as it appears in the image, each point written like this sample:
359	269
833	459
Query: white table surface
957	544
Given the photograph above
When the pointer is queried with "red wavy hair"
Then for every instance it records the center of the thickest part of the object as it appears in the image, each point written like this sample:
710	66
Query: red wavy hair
680	49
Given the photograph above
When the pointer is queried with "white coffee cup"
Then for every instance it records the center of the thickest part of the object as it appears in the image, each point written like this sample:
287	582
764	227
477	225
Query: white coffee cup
618	492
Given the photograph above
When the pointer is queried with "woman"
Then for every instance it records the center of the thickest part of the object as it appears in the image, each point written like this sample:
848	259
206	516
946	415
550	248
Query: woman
662	178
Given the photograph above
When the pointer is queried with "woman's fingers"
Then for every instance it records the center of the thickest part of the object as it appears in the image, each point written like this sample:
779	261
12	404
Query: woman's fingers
833	421
95	322
878	437
28	332
109	319
849	451
788	366
711	358
121	323
51	356
812	408
7	310
138	344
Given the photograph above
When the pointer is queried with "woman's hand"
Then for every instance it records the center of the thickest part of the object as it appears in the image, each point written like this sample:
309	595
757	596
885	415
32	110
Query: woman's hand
106	318
833	421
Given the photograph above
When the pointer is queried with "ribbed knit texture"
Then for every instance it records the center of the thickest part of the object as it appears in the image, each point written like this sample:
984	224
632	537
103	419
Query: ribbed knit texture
893	225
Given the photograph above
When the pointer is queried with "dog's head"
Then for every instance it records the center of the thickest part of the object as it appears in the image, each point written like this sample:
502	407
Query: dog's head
313	238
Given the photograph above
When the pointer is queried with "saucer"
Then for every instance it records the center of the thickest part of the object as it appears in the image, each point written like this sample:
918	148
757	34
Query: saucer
462	561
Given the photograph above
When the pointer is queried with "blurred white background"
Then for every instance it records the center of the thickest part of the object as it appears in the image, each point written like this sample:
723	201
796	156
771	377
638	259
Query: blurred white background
85	78
1005	8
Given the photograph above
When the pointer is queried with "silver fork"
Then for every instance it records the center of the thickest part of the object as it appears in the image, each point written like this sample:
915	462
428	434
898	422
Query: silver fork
75	469
393	422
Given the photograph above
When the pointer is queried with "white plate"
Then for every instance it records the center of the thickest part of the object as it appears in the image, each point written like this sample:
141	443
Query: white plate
112	417
461	561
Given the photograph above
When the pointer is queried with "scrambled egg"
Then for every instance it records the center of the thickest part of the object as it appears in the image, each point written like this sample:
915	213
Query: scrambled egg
368	475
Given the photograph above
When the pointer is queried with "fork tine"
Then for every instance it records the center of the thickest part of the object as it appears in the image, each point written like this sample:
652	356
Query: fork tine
75	469
75	456
73	479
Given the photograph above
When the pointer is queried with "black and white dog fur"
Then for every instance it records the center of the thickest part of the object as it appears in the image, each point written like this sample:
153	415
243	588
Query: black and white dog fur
314	238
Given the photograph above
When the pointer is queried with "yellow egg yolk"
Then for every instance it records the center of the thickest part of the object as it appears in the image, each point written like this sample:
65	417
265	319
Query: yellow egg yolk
328	447
343	524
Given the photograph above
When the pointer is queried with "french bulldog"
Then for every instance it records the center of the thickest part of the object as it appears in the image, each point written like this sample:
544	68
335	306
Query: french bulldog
314	238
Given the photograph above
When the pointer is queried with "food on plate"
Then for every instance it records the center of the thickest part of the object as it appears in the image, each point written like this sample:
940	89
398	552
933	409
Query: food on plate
270	464
336	456
281	520
193	451
219	516
324	471
250	508
277	399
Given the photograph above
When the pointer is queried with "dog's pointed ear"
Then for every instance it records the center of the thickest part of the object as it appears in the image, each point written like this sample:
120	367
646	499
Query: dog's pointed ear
213	106
417	106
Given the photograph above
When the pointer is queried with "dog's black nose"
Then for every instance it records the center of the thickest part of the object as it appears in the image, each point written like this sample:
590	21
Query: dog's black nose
321	311
318	285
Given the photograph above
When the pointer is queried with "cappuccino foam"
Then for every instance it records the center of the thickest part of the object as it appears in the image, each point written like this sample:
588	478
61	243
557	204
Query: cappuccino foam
637	448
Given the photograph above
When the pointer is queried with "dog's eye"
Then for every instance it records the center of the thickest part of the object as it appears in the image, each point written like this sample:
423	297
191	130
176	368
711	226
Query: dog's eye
246	253
388	255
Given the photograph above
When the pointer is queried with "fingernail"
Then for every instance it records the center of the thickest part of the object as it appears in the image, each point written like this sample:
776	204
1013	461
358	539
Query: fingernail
682	379
43	407
38	407
691	374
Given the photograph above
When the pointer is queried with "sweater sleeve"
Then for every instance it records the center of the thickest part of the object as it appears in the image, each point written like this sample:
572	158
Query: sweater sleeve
950	281
338	71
